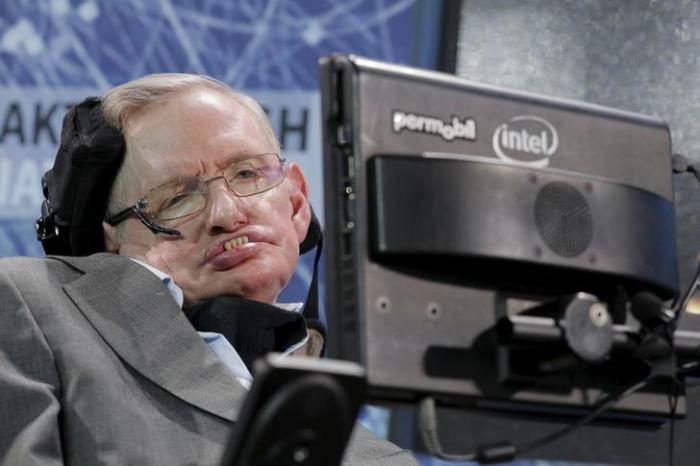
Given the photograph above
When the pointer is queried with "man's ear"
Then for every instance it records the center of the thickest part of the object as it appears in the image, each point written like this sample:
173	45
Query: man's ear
111	238
299	196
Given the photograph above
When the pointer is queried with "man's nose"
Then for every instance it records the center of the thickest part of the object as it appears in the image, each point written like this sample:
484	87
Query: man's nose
224	212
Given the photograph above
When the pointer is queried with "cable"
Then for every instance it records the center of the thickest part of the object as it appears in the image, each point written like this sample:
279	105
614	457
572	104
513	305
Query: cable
602	406
427	426
683	302
673	404
506	451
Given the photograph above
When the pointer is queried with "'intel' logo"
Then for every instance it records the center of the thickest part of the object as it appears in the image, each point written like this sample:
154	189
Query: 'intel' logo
527	140
449	131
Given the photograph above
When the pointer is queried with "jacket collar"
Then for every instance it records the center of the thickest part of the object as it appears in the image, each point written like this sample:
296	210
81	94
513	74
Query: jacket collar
138	318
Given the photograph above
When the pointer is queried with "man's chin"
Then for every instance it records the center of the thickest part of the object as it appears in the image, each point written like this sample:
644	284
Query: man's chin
267	294
256	278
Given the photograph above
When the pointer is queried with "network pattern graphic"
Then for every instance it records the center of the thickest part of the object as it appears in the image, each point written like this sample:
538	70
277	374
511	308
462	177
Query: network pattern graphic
250	44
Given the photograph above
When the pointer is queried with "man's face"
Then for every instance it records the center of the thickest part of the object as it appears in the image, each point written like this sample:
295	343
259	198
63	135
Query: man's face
198	134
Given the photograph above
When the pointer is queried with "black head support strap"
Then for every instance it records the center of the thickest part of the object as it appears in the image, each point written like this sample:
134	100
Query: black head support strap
76	189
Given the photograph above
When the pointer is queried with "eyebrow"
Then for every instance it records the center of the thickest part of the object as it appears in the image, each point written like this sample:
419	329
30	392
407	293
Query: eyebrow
237	157
228	161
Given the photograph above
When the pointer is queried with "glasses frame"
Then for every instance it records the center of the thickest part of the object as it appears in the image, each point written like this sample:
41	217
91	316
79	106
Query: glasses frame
155	228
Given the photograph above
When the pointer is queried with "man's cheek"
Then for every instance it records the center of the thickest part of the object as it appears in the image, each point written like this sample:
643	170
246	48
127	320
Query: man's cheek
178	254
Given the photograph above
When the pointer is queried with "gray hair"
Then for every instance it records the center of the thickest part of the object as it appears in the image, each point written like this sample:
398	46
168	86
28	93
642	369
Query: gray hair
134	97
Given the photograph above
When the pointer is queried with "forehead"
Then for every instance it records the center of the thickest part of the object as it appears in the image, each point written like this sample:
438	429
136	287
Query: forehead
196	132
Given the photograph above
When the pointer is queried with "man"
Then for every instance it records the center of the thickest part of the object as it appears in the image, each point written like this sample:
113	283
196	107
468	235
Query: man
98	362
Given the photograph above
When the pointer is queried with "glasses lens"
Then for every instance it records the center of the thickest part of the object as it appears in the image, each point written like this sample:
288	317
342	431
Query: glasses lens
255	175
176	199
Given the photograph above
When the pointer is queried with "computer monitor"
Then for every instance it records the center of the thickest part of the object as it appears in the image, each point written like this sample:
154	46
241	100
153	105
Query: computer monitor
453	206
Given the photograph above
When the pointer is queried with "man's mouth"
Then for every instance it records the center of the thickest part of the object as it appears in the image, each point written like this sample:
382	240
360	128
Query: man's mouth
232	252
232	244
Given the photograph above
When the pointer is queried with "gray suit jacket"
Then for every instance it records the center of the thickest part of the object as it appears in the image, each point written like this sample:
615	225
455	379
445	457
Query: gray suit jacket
98	365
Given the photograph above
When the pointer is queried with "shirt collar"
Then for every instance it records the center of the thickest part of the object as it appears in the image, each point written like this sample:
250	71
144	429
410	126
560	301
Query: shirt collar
175	291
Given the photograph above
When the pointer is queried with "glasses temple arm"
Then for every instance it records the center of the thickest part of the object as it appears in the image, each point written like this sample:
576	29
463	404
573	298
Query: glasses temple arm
126	213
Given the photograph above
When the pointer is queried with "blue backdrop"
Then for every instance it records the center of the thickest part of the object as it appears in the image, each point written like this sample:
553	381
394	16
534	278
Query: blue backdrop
55	52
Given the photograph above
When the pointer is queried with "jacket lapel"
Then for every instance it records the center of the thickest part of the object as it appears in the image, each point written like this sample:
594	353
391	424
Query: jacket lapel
135	314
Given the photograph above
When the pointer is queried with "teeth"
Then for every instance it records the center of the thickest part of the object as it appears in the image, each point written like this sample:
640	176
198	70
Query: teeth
235	242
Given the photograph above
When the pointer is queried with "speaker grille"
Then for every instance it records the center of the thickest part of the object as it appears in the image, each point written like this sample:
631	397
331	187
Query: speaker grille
563	218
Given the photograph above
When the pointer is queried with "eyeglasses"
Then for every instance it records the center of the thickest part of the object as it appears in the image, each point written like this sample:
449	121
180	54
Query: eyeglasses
189	195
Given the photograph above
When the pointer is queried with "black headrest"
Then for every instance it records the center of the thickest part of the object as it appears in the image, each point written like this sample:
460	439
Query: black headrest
76	189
